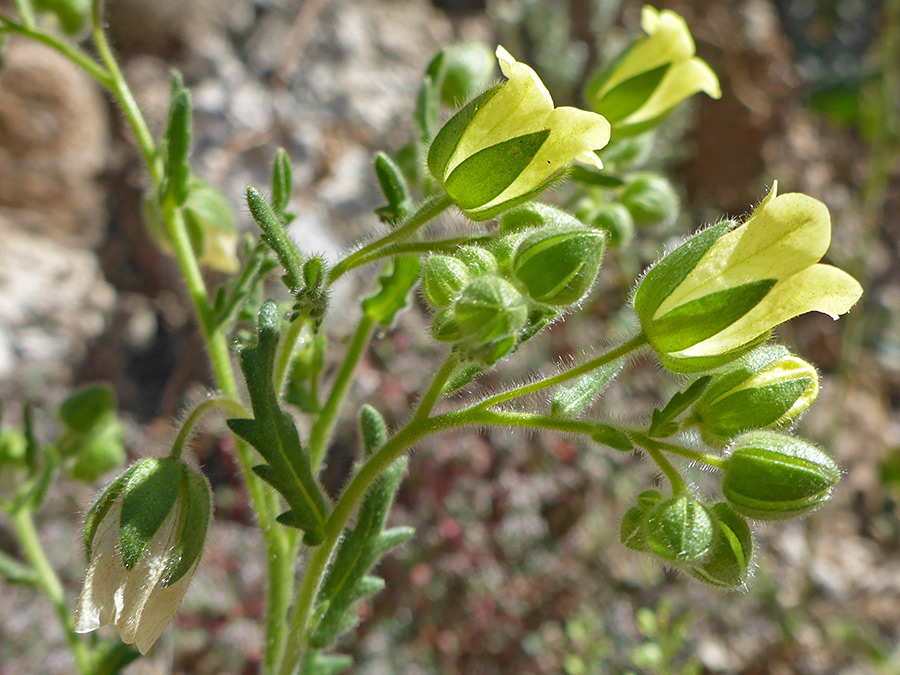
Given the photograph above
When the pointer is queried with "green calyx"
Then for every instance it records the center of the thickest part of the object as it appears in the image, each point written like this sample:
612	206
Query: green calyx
767	388
444	279
490	308
772	476
679	531
559	266
730	556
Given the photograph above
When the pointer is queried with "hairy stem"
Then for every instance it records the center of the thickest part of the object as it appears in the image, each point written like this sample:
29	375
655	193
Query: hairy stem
324	424
419	426
198	412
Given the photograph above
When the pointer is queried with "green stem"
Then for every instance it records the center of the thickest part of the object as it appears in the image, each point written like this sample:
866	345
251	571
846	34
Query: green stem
50	584
633	344
324	424
419	426
423	247
286	351
654	449
79	58
715	461
198	412
428	210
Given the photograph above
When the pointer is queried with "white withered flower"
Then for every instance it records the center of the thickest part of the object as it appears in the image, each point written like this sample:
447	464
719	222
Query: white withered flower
144	538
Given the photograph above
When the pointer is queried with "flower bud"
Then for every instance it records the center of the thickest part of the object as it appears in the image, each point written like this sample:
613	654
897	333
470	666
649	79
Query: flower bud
468	69
650	198
143	539
634	524
93	440
728	563
558	266
478	260
490	308
655	74
532	215
717	295
767	388
614	219
772	476
508	143
444	279
680	530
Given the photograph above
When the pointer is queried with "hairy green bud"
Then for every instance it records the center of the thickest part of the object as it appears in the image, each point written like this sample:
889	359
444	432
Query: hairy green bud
650	198
772	476
558	266
444	279
680	531
731	552
490	308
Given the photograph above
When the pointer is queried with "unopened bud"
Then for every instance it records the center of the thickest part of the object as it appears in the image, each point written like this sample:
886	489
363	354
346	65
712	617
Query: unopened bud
680	531
731	552
444	279
650	198
490	308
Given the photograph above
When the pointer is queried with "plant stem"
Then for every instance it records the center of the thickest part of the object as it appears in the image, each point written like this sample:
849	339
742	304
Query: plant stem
76	56
324	424
26	11
633	344
50	584
419	426
714	461
286	351
188	425
426	211
404	248
654	449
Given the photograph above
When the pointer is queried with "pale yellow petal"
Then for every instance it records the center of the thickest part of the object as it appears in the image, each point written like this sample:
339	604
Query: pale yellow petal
820	288
573	133
104	575
668	41
521	106
159	610
144	577
784	235
682	80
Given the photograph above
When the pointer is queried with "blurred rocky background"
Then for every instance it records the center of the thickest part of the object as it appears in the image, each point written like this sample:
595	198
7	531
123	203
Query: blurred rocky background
516	566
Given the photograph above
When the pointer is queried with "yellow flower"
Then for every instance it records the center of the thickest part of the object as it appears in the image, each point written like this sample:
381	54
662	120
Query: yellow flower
505	145
144	538
720	292
652	76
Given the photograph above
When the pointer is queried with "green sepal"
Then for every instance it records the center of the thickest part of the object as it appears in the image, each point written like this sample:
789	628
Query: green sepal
428	104
347	579
177	144
478	260
372	430
196	499
396	191
614	219
447	139
695	321
699	364
444	279
633	531
614	438
570	400
731	553
662	422
282	184
628	96
394	288
273	434
102	506
479	178
148	496
558	266
587	176
315	663
671	270
772	476
680	531
463	376
274	234
490	308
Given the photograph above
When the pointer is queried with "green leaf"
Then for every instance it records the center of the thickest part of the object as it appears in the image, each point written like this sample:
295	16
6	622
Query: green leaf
396	191
347	580
570	400
325	664
14	572
273	434
614	438
372	430
282	182
274	234
662	422
178	142
395	283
